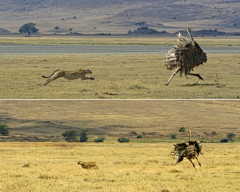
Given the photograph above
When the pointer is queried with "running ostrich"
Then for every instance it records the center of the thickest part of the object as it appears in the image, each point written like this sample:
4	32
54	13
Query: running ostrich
185	56
189	150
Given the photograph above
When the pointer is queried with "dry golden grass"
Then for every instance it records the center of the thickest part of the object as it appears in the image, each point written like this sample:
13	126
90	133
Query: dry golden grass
122	167
116	77
127	76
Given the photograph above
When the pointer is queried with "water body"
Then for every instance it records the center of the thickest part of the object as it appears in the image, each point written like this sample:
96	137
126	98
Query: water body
101	49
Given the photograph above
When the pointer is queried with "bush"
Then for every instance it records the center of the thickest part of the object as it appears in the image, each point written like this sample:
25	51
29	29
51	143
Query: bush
213	133
173	136
230	136
139	137
123	140
99	139
182	129
83	136
70	136
223	140
4	130
133	133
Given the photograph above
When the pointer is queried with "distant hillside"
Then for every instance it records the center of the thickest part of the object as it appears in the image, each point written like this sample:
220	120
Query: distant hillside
31	120
120	16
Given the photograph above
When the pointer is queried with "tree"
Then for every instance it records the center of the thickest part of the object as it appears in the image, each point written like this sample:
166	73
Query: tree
4	130
70	136
28	29
56	28
182	129
230	136
173	136
141	24
83	135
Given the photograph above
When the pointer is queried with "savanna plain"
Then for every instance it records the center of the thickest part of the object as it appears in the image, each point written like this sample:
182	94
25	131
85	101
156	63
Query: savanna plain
117	76
122	167
140	165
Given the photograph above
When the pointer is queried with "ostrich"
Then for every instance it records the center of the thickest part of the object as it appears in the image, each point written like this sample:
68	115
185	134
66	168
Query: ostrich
189	150
185	56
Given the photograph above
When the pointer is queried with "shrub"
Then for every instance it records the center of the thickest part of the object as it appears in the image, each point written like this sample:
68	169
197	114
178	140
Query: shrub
139	137
133	133
230	136
213	133
99	139
173	136
182	129
4	130
83	136
123	140
70	136
223	140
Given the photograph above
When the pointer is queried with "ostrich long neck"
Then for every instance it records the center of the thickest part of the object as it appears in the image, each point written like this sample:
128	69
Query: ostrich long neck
190	35
189	132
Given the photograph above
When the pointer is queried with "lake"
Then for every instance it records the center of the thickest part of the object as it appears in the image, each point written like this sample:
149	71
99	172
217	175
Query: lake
102	49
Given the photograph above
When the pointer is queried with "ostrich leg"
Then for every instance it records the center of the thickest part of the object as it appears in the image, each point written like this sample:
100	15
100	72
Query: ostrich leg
198	162
175	72
197	75
192	164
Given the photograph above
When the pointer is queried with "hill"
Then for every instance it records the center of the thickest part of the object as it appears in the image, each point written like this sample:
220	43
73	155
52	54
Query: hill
47	120
120	16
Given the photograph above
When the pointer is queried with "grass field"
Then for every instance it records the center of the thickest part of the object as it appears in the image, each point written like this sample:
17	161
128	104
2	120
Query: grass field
131	76
122	167
46	120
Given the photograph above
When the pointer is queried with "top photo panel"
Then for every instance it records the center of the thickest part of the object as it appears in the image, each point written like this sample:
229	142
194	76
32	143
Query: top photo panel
119	49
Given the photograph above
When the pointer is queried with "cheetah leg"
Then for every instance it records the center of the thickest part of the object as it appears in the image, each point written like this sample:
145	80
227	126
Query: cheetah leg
54	77
86	78
197	75
198	162
175	72
192	164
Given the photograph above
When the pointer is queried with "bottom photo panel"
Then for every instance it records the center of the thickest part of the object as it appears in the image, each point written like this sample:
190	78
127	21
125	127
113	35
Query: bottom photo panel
119	145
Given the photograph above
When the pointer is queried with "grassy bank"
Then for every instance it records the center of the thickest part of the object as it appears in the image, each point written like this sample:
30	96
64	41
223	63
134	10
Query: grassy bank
122	167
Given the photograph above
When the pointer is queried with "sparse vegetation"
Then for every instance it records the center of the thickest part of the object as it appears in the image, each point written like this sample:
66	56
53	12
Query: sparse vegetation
70	136
139	137
213	133
123	140
4	130
83	135
133	133
99	139
182	129
230	137
223	140
145	31
173	136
